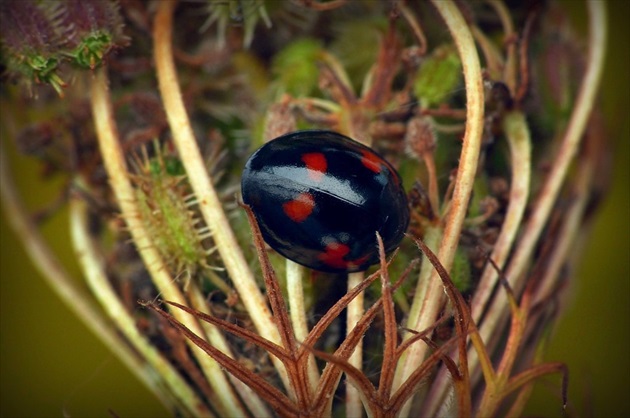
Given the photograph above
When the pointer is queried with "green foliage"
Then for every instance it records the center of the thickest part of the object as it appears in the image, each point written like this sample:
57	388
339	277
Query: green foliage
460	272
439	75
232	14
38	68
165	209
357	45
295	67
480	192
38	37
90	51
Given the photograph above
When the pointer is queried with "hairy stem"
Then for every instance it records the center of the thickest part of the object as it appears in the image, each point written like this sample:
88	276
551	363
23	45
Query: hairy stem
516	271
93	266
518	138
116	166
463	183
209	203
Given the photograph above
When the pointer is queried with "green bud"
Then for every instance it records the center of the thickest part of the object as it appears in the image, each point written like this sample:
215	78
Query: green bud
439	76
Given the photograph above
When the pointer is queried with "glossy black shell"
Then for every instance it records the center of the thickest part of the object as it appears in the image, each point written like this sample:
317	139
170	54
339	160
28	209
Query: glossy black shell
356	194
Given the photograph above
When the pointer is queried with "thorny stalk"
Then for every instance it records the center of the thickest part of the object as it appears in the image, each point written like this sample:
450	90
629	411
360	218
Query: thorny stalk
115	163
96	278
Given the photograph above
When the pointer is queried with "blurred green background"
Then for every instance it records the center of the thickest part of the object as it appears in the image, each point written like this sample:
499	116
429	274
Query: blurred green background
50	364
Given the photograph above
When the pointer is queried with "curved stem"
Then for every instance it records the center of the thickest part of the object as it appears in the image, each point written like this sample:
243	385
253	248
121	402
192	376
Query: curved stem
493	58
510	70
56	276
590	84
93	266
472	137
517	135
116	167
209	203
415	28
463	184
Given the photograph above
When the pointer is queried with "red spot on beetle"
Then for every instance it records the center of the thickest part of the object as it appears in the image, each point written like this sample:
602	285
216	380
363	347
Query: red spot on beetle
299	216
316	164
371	161
299	208
334	256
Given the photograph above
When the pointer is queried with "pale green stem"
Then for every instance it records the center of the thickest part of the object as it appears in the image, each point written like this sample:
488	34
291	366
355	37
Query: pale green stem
431	238
297	311
363	397
496	315
519	141
463	183
115	164
569	231
93	266
201	183
356	309
323	104
517	268
55	275
517	135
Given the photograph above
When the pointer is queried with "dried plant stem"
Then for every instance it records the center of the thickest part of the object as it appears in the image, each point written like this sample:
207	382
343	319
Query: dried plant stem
113	158
409	16
209	203
77	300
510	71
355	311
297	311
463	183
497	381
520	260
521	400
339	74
216	337
570	229
494	60
93	266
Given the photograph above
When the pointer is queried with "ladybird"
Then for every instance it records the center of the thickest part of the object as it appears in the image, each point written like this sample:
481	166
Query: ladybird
319	197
